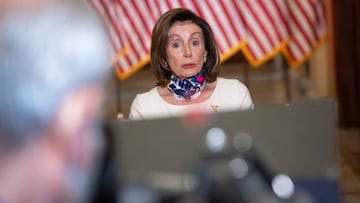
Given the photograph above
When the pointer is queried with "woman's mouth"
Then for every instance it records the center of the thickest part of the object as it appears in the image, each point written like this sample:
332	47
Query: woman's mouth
188	65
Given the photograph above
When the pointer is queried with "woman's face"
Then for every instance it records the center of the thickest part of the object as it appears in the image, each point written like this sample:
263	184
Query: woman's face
185	49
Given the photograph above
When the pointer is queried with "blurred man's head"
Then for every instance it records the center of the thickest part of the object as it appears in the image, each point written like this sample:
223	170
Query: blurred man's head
53	61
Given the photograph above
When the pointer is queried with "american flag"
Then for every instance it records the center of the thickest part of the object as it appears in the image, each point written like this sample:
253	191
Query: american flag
307	27
260	28
266	27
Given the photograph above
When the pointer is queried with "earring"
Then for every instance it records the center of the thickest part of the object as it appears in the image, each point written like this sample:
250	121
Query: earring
164	64
205	58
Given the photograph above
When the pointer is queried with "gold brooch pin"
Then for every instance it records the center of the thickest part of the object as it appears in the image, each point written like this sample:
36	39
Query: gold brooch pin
214	107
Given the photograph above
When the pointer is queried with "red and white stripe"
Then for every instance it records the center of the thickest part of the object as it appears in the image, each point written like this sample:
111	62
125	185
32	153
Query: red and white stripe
266	28
307	26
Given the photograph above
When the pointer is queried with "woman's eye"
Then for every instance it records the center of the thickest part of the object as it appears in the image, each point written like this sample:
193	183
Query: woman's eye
175	45
196	43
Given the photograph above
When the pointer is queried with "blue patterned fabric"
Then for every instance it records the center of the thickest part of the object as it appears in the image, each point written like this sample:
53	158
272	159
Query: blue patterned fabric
188	88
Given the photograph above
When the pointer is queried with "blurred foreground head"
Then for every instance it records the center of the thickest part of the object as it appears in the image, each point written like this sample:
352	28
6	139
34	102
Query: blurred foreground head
54	59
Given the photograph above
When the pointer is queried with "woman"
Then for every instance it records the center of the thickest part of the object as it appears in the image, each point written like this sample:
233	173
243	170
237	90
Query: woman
184	59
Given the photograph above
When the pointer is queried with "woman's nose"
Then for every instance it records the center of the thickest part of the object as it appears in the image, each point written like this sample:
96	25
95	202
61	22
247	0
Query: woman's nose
187	52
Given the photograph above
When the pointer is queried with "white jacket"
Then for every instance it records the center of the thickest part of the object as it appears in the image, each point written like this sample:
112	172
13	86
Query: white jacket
228	95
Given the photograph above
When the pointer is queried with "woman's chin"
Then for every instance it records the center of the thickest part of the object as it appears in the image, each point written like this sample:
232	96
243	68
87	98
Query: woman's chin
188	73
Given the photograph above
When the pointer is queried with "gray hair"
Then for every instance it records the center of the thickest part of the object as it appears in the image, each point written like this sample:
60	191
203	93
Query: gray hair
43	56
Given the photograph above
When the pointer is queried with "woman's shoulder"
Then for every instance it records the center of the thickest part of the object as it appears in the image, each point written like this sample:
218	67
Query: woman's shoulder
143	103
234	94
230	83
152	93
